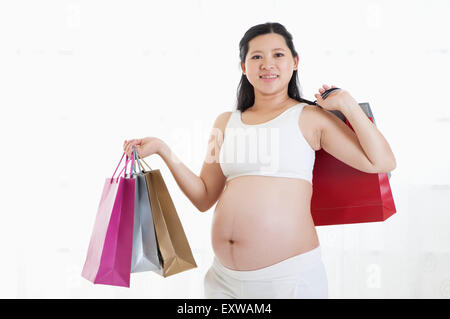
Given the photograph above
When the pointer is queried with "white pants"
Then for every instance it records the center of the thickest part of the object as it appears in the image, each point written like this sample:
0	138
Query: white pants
301	276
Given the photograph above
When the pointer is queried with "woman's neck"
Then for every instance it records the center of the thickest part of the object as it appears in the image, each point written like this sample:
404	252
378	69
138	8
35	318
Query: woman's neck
270	104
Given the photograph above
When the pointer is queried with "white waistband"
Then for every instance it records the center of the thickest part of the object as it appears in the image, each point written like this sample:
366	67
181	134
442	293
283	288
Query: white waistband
288	268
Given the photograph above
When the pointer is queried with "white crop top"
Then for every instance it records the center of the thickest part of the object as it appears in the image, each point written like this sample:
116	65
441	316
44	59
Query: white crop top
273	148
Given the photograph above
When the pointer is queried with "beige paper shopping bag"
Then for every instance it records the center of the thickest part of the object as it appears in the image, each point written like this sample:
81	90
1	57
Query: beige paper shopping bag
175	252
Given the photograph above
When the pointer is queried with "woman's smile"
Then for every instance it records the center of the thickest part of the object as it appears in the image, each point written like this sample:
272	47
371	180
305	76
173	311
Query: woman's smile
269	79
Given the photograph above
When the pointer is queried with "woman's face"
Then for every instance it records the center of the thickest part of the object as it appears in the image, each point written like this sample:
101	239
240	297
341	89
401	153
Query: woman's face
268	54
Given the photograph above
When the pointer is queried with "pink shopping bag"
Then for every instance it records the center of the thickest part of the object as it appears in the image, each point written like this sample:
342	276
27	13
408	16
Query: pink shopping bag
108	258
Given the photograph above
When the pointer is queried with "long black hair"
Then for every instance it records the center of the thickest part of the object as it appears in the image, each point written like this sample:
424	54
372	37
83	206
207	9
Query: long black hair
246	92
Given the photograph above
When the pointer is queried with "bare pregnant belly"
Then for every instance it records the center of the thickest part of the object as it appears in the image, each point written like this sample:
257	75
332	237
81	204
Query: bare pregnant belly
261	220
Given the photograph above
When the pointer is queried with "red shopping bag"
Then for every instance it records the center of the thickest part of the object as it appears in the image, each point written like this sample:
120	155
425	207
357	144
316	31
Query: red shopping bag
108	259
345	195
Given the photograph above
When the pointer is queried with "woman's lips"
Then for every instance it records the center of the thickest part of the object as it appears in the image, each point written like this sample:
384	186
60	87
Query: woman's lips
269	80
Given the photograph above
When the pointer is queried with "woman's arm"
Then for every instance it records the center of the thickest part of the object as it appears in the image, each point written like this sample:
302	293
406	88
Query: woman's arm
365	148
204	190
190	184
372	141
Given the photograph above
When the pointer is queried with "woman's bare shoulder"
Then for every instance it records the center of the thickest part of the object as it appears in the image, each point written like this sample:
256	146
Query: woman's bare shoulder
309	125
222	120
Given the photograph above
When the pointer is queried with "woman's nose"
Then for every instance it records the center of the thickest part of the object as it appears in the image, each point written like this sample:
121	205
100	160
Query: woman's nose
267	64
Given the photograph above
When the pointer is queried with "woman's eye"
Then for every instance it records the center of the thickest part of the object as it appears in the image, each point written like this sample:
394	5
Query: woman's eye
259	55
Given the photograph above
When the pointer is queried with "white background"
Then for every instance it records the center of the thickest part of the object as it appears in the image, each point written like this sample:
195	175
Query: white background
77	78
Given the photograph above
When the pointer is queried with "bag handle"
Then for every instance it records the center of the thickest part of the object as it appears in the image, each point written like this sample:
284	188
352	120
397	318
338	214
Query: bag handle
145	163
126	164
323	95
118	166
124	168
138	159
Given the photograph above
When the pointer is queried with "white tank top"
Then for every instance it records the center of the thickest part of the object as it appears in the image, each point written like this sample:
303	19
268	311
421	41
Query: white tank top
273	148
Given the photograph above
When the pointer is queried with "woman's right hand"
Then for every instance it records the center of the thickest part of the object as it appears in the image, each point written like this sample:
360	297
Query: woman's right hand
144	146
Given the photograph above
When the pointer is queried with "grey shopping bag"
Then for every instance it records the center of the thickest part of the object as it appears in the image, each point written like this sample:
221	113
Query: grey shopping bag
145	247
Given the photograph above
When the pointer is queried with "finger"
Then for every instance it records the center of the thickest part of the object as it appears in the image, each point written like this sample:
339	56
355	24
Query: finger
129	147
326	87
321	90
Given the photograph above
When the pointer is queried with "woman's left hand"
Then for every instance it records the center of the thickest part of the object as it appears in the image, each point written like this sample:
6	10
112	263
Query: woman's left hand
336	100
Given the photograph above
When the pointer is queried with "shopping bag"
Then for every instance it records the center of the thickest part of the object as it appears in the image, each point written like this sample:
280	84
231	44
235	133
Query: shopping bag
108	258
173	246
145	248
345	195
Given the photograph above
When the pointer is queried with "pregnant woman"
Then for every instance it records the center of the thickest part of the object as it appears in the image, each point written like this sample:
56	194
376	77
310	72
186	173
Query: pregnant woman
258	169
